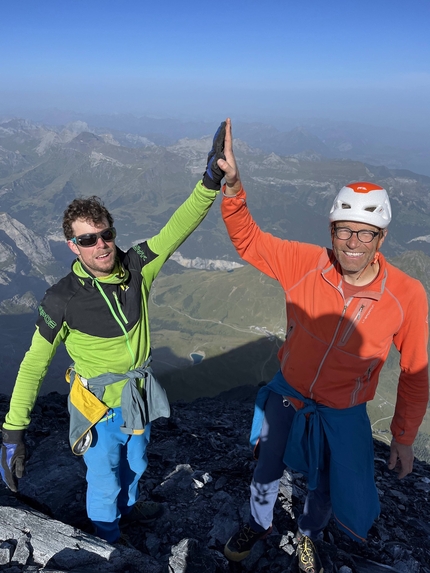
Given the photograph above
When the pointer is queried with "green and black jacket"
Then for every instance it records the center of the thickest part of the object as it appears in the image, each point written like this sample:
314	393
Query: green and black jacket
102	322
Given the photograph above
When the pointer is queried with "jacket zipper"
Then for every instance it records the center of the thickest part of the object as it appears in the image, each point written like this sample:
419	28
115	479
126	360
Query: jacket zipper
359	386
118	305
329	347
127	339
352	325
287	354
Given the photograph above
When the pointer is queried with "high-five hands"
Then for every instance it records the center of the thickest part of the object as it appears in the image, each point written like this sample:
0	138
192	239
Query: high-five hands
228	165
213	175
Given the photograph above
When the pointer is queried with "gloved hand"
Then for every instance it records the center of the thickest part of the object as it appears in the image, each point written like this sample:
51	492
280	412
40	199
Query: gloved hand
12	457
213	175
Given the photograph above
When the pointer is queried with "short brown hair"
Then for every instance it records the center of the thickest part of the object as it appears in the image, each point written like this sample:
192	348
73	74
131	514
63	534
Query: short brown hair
91	209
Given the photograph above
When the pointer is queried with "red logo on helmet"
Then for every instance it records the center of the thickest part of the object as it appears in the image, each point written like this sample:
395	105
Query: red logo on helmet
364	187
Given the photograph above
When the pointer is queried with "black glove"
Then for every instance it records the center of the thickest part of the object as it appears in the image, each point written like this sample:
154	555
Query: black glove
213	175
12	457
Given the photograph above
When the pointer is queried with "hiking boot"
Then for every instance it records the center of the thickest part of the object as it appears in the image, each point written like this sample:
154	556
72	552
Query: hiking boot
240	544
307	555
124	541
143	512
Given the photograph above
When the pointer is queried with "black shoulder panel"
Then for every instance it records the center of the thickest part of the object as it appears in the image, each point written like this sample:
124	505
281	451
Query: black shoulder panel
139	254
52	308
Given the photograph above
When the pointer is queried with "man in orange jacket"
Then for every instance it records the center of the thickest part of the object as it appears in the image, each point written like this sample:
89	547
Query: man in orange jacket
345	307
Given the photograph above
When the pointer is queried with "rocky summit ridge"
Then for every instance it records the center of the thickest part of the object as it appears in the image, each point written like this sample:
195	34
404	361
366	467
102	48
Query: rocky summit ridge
200	467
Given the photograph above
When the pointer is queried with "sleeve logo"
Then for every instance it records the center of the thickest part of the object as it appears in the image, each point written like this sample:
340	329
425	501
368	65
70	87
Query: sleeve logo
51	323
140	252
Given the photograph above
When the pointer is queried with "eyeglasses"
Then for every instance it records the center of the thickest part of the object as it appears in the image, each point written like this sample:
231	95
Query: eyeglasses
363	235
90	239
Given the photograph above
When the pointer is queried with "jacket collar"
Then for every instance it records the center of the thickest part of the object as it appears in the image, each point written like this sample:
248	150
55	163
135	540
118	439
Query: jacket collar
119	274
332	273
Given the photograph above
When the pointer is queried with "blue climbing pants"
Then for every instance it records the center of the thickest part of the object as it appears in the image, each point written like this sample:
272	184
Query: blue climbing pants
115	463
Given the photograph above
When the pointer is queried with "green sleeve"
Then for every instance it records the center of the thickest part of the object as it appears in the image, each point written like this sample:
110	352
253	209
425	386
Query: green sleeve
180	225
29	380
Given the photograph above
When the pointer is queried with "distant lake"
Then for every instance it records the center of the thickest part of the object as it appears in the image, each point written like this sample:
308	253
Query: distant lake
196	357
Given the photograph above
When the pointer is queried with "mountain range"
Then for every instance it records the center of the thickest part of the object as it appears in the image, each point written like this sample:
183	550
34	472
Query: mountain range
376	145
142	175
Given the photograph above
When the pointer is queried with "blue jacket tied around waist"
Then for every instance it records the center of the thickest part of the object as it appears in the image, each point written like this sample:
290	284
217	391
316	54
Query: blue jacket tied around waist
353	492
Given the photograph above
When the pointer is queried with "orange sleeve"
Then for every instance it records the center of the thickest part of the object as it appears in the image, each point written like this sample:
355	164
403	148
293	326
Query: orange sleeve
251	243
413	388
279	259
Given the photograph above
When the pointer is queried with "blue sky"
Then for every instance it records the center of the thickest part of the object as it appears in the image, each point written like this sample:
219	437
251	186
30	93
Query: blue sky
360	60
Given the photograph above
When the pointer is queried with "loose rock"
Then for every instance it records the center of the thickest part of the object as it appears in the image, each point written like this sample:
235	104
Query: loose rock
200	468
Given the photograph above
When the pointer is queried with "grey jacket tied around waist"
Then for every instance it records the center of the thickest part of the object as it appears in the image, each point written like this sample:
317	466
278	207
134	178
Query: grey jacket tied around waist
137	410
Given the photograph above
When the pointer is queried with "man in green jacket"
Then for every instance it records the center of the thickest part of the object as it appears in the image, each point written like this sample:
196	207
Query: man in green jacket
100	312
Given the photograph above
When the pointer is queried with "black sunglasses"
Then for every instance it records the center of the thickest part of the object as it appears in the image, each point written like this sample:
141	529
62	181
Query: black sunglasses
90	239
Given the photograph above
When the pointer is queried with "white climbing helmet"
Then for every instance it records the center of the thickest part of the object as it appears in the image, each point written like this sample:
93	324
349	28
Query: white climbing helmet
362	202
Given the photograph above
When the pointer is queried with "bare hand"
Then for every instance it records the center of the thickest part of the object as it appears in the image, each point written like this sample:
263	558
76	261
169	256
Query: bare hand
401	459
231	172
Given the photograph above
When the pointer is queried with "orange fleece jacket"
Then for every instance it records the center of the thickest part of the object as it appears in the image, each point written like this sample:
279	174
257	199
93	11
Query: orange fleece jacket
334	348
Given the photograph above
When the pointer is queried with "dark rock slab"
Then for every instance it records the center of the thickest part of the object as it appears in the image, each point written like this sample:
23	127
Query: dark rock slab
200	468
47	542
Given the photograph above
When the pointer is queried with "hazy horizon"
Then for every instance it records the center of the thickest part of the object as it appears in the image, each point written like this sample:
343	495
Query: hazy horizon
366	62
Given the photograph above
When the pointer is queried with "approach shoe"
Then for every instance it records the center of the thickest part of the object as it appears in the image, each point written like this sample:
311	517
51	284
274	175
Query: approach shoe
307	555
124	541
240	544
143	512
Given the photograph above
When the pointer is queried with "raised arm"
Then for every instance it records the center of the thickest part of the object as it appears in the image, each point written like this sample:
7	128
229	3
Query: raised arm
262	250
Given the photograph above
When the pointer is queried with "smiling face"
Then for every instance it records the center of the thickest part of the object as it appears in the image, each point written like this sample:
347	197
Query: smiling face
99	259
354	256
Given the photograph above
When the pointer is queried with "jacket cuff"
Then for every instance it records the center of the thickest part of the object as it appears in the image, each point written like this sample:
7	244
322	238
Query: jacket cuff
239	194
200	187
12	436
401	436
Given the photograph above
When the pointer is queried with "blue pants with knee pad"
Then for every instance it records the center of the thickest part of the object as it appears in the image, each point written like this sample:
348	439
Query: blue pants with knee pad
115	463
277	422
